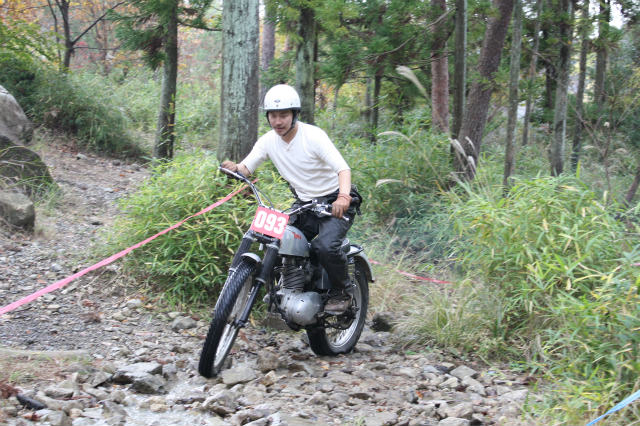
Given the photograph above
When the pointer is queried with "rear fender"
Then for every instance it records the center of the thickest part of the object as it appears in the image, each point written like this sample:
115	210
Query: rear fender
361	260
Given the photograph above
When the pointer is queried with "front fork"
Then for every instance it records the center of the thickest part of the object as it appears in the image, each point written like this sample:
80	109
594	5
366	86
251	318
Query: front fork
263	275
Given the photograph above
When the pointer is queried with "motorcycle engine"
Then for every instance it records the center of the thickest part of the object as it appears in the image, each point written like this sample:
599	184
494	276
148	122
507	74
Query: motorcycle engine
297	305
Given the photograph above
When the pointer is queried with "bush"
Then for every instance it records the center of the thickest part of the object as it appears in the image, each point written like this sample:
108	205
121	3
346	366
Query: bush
560	261
189	264
594	355
547	236
63	102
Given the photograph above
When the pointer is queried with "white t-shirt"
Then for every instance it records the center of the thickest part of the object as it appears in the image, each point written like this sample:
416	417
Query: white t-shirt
310	162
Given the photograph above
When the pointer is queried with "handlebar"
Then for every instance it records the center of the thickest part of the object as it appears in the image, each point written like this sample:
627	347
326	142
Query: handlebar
318	208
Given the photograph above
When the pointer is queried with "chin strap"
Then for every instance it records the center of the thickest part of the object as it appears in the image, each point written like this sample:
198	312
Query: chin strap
293	122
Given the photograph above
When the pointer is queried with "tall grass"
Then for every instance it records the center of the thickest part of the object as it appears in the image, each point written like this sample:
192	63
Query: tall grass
558	259
548	236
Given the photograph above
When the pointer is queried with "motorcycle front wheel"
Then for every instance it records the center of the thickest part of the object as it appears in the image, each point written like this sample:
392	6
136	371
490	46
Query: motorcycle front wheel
331	342
225	325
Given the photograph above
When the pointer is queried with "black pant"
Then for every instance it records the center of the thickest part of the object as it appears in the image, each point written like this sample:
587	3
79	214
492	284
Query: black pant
326	234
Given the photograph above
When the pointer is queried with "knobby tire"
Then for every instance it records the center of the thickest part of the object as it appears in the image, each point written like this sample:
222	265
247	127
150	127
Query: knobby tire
224	328
333	342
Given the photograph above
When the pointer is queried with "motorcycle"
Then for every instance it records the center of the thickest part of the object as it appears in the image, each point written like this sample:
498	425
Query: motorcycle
296	286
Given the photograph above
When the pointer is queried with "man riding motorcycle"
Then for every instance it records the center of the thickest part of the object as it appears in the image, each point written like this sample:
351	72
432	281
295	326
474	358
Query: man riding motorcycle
307	159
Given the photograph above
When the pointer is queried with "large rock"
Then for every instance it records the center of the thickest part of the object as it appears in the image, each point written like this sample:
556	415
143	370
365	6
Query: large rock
22	168
14	124
17	210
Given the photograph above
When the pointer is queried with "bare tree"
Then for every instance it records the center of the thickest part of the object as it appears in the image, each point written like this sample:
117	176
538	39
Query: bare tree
475	115
516	43
440	70
604	17
240	91
165	129
268	45
70	41
584	29
305	63
460	66
560	110
532	73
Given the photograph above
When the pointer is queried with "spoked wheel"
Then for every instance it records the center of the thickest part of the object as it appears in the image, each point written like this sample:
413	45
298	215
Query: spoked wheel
225	325
334	341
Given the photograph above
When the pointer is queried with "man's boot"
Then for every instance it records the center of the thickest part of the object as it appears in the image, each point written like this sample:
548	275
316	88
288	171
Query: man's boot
340	298
339	301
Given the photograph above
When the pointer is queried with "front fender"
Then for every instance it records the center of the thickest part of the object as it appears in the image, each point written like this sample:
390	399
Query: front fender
252	256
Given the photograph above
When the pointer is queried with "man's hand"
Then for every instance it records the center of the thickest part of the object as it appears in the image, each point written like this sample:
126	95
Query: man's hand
229	165
340	205
237	168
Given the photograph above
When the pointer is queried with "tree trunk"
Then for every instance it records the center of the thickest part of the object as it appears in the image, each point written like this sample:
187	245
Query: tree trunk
375	111
634	187
165	131
601	57
334	108
440	71
516	43
268	46
63	6
460	66
368	103
560	110
579	120
475	115
240	91
550	86
532	73
305	65
54	16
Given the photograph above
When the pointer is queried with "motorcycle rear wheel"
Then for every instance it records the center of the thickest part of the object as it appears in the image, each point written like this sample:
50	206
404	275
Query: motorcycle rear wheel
332	342
224	325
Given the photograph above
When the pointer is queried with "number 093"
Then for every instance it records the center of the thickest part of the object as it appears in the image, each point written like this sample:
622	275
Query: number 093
270	222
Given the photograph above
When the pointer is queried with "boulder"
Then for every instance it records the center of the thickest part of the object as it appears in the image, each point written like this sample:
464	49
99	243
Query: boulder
21	168
17	210
14	124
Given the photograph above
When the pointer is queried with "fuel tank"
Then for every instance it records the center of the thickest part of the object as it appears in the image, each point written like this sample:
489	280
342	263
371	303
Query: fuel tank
294	243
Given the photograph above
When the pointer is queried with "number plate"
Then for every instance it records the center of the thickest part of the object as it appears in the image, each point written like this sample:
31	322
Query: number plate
269	222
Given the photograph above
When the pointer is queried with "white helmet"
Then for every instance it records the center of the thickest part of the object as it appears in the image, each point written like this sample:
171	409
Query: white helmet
281	97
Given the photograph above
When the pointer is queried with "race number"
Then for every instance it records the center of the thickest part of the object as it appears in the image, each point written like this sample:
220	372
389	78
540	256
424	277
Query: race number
269	222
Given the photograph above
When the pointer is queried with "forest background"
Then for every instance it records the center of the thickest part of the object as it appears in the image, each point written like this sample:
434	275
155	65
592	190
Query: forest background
495	144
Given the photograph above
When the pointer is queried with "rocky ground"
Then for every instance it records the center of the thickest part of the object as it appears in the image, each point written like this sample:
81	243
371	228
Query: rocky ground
97	352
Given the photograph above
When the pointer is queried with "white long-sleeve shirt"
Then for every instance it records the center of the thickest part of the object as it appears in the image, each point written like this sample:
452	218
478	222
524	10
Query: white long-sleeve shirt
310	162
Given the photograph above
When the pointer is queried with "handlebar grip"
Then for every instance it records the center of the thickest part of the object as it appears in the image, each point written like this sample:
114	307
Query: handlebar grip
327	212
236	175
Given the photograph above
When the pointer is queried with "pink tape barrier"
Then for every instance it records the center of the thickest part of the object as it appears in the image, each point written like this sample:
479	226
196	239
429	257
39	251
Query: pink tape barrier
415	277
111	259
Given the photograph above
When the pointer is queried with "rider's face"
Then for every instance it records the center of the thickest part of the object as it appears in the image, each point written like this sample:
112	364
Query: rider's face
281	121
